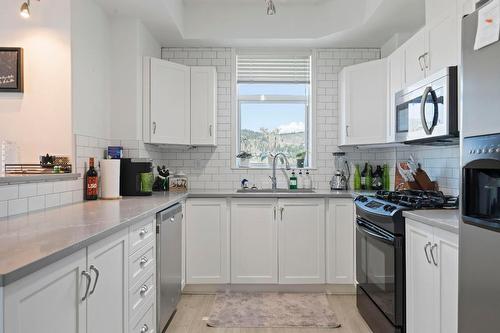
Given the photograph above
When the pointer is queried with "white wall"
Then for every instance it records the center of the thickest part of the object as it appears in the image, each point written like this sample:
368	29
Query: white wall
39	120
91	74
130	43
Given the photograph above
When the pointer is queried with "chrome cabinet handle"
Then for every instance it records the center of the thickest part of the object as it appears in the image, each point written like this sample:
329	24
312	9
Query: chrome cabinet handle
210	129
346	130
275	212
143	261
96	271
143	232
154	127
281	212
424	57
87	288
432	254
420	63
427	254
144	328
144	289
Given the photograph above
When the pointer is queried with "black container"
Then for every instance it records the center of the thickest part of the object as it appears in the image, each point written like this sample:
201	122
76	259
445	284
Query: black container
130	176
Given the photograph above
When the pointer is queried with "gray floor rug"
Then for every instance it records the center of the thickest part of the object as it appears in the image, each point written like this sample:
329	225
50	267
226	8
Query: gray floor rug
254	310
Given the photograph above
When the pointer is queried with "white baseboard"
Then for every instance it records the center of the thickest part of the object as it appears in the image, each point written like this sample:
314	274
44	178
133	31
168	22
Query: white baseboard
210	289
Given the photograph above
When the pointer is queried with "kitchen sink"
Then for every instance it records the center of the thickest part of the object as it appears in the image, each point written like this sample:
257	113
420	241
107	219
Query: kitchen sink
270	190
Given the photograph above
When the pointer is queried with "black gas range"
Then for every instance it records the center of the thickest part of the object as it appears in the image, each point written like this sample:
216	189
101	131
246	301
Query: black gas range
380	253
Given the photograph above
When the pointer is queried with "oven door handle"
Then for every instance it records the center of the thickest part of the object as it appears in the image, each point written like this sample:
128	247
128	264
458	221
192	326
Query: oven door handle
362	228
428	130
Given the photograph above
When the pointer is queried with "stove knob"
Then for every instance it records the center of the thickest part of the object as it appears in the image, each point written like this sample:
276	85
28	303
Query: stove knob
491	150
498	150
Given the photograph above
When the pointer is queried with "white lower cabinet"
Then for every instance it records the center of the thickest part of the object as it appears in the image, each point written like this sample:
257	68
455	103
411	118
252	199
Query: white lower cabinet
107	305
340	242
431	279
207	241
254	241
84	292
50	300
301	241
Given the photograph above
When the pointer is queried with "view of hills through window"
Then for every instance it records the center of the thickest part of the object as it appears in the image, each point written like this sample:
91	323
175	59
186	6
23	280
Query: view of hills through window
274	118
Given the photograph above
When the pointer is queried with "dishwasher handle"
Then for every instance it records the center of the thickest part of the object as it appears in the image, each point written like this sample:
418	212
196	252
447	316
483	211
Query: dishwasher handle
168	213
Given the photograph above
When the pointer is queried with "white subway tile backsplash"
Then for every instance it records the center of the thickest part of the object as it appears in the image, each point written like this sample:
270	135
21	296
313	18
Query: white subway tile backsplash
27	190
4	210
9	192
53	200
45	188
36	203
18	206
66	198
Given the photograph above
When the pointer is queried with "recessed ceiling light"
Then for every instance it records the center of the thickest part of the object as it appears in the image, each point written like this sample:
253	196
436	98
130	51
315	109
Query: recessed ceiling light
270	8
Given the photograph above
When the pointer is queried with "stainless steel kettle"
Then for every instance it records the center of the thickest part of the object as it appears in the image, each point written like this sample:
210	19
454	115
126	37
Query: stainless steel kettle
339	181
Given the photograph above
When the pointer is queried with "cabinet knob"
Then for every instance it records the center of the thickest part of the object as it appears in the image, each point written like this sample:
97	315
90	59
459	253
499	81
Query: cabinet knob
143	261
144	328
172	220
143	232
144	289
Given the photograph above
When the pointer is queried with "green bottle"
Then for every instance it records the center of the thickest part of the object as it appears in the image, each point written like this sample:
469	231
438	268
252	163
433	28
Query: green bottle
369	178
357	178
293	181
386	178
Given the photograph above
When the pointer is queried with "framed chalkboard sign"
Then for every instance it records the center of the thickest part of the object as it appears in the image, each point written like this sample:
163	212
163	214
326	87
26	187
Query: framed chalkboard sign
11	69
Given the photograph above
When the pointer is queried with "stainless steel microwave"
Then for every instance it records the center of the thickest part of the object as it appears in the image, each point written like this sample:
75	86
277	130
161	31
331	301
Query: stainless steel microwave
427	112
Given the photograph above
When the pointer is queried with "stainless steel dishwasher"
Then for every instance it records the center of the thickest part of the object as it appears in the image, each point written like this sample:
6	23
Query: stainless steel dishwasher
169	266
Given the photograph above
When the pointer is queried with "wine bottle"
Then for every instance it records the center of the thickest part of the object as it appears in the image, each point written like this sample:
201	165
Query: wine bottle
369	178
363	177
377	178
386	178
91	182
357	178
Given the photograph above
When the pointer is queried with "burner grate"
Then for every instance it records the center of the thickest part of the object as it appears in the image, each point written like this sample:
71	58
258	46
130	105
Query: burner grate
419	199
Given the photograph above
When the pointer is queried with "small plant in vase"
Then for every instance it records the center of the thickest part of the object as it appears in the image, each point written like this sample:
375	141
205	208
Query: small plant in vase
301	157
244	158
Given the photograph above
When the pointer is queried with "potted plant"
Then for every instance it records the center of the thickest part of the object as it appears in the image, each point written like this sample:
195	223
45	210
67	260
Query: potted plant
300	159
244	158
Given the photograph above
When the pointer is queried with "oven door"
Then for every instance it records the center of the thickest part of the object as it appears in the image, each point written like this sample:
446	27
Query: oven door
380	269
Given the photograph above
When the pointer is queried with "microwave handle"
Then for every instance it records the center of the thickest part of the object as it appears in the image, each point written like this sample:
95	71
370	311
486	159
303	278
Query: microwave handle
427	91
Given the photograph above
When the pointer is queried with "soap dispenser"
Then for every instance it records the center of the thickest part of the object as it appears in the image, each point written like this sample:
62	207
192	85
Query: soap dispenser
293	181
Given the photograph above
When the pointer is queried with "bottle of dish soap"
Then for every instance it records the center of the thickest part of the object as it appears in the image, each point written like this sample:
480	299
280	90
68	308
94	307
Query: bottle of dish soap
300	180
308	181
293	181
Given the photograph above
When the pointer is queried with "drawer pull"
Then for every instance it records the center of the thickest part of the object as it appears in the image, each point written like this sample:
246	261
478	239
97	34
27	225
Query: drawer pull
144	328
143	232
143	261
144	289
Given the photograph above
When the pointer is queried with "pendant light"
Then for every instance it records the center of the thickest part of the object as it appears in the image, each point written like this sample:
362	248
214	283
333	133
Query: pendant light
270	8
25	9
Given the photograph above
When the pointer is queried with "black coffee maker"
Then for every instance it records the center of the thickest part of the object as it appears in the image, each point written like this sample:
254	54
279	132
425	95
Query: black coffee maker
132	172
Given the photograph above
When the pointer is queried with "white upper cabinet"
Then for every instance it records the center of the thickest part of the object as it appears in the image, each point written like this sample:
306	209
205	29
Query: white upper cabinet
203	106
301	241
415	57
396	74
363	103
166	102
443	44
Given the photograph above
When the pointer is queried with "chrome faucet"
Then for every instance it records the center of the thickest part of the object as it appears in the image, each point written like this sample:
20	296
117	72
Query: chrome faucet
273	178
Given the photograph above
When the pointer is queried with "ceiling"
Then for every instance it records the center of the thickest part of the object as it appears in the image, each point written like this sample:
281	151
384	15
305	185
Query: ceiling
298	23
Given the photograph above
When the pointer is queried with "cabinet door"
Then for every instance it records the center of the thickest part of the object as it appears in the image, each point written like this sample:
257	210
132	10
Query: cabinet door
445	253
443	39
419	278
438	10
203	106
207	241
169	102
415	49
340	242
301	241
396	64
364	103
50	300
254	241
107	304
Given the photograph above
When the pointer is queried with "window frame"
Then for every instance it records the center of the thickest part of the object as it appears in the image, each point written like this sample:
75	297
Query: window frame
235	108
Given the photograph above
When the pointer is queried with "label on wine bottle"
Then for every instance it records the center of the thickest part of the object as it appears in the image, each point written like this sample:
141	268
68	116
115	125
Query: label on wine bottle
92	186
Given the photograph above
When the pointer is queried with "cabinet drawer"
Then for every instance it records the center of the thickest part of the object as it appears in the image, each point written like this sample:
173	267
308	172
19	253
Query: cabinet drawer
140	263
142	293
145	323
141	233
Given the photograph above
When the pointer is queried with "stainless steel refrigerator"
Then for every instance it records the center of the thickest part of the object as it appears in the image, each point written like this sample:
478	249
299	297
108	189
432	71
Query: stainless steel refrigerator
479	253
